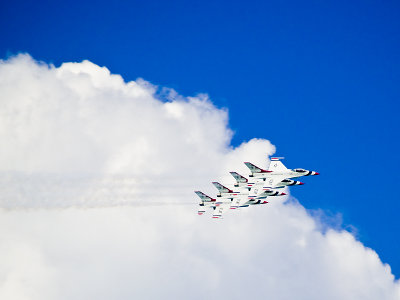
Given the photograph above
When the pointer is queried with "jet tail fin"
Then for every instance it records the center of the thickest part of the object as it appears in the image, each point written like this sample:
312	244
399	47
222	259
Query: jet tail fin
239	178
221	188
254	169
276	165
204	197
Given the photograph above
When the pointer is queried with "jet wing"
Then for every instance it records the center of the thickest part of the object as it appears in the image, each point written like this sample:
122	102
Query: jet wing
220	209
204	206
239	201
273	180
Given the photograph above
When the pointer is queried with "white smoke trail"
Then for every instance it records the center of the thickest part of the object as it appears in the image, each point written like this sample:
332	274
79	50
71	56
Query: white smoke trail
78	136
64	191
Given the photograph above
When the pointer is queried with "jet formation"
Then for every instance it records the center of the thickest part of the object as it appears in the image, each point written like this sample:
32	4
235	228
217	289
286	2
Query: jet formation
254	190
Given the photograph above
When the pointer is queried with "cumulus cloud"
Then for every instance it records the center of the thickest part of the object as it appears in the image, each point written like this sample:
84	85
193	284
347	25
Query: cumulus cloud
97	178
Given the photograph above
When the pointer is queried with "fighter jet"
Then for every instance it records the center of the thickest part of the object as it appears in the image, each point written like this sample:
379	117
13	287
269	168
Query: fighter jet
228	196
232	199
256	192
262	184
243	196
243	181
277	175
206	201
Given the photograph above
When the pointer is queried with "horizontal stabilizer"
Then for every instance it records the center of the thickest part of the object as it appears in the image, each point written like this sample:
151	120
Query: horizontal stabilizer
201	210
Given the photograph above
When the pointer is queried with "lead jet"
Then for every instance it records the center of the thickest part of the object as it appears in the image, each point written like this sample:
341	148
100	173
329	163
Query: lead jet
277	174
243	181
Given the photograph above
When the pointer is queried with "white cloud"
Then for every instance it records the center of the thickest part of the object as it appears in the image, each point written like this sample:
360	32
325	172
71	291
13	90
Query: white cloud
101	160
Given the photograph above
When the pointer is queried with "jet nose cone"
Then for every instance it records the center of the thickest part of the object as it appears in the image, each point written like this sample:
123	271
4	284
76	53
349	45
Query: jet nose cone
316	173
283	194
301	183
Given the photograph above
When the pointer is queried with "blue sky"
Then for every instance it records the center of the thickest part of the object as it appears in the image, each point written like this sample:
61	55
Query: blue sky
319	80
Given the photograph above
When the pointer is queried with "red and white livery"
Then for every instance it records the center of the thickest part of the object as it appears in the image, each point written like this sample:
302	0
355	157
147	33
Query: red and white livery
253	191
